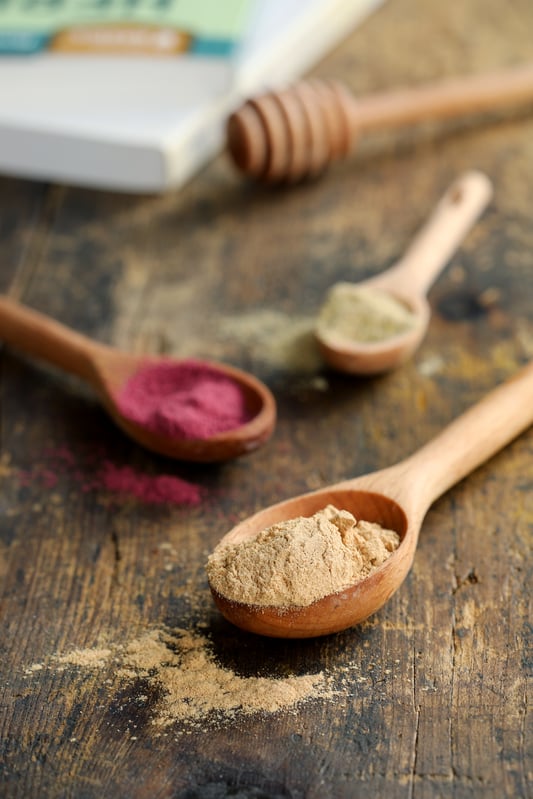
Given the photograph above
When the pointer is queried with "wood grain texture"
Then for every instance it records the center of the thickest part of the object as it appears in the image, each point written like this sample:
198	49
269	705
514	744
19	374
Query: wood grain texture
433	691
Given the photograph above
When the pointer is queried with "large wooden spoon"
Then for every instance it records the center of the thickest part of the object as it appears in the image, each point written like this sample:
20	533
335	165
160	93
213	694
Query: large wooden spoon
396	498
408	281
107	371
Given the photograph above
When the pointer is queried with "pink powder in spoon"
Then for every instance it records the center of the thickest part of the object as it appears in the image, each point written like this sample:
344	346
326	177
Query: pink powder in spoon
183	400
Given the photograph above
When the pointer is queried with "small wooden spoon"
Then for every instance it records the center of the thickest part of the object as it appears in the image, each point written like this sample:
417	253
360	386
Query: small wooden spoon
396	498
409	281
107	370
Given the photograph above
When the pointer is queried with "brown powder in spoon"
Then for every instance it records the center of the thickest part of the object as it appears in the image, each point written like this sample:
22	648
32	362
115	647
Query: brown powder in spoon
299	561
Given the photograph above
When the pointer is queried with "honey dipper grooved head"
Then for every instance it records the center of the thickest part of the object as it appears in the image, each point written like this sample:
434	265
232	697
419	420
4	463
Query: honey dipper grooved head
292	134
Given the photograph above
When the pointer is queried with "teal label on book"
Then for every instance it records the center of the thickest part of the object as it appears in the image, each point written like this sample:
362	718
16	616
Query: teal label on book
208	27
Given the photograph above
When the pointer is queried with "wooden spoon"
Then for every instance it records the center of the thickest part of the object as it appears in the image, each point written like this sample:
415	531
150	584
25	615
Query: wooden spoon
107	370
409	281
396	498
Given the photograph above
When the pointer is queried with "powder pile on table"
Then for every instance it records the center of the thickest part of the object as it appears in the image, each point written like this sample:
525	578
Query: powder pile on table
186	682
363	314
93	471
195	684
298	561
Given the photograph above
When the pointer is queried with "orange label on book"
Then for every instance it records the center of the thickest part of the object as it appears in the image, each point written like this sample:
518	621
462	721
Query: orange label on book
121	40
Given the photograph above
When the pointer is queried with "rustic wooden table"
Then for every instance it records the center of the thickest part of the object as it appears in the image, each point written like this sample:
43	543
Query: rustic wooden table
426	699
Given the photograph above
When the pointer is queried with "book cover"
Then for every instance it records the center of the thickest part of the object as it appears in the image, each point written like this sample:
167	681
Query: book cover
132	95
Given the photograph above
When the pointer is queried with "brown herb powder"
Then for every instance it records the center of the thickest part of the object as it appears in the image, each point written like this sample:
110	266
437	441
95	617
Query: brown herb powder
301	560
193	687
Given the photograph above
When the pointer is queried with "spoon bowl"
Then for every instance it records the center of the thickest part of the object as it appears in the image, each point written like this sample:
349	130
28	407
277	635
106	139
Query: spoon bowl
337	611
408	282
108	370
370	358
397	498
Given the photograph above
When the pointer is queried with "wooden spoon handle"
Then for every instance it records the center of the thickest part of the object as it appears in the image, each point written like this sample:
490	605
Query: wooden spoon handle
435	243
39	336
471	439
448	99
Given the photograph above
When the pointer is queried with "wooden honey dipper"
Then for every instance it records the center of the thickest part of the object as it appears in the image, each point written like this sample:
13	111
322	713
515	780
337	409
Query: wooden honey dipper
297	132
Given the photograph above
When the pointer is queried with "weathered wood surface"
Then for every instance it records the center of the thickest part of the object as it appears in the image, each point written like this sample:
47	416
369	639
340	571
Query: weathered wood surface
432	697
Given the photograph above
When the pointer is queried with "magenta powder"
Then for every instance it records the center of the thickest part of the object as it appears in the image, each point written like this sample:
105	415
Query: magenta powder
183	400
98	473
155	490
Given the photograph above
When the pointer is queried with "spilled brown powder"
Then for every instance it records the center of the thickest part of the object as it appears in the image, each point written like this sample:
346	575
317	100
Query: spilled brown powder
88	658
194	684
299	561
181	666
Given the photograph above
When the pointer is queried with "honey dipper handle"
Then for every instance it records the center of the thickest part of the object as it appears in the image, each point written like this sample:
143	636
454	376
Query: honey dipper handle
438	239
37	335
471	439
447	99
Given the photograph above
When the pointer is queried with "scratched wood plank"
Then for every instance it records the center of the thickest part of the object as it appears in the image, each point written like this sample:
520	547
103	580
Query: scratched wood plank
432	692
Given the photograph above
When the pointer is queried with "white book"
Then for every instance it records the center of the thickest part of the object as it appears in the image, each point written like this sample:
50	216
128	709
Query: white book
147	123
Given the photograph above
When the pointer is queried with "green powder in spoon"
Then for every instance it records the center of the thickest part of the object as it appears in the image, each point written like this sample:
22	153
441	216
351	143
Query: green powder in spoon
363	314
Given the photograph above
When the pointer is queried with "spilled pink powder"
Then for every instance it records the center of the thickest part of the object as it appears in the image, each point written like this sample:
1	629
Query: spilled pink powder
155	490
183	400
97	473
